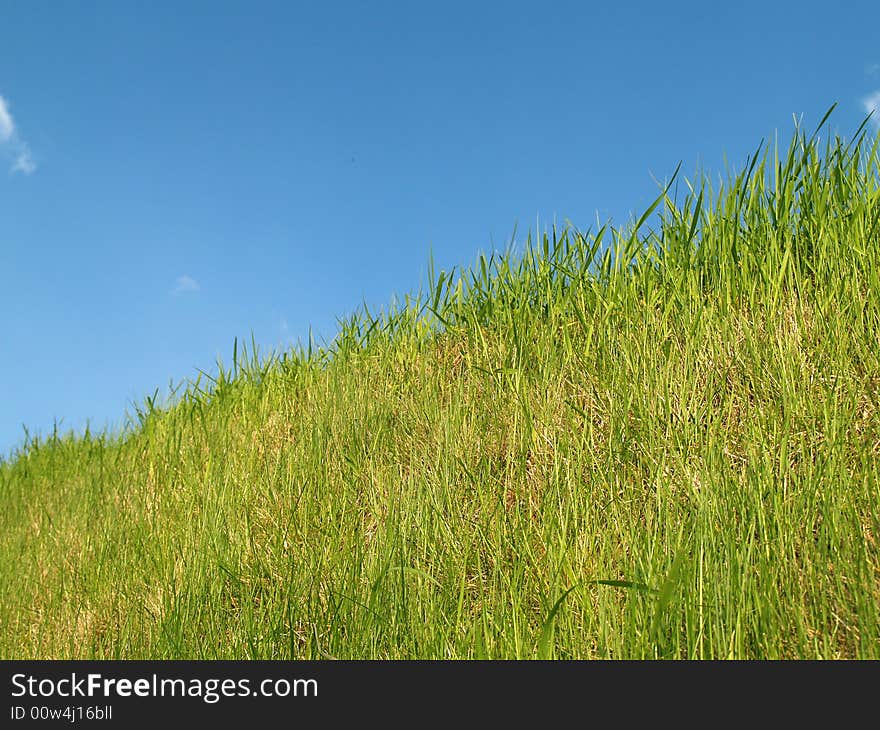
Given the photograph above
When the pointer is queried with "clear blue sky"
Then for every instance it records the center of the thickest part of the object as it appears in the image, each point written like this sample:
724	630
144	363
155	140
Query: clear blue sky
176	174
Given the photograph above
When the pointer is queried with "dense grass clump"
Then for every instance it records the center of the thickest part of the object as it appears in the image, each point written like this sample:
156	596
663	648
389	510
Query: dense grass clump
657	441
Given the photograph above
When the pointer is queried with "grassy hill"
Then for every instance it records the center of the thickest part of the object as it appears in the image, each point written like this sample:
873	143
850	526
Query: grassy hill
657	441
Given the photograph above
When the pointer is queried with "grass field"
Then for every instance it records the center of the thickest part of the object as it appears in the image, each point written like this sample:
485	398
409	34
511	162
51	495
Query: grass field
659	441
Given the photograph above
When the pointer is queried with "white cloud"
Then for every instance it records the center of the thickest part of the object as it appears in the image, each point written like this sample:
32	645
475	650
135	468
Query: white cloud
12	145
7	126
186	285
872	105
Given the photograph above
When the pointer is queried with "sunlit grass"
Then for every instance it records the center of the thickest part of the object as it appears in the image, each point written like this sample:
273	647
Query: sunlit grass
657	441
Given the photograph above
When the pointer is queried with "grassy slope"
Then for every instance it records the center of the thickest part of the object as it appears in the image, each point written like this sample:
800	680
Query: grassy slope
688	440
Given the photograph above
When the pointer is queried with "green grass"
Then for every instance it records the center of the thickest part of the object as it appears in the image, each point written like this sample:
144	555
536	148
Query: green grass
661	441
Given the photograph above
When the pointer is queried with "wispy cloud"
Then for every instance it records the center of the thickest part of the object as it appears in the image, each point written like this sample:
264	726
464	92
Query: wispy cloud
185	285
872	106
11	145
24	162
872	68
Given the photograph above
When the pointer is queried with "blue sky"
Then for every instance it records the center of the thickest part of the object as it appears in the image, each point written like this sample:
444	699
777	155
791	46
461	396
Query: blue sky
175	175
